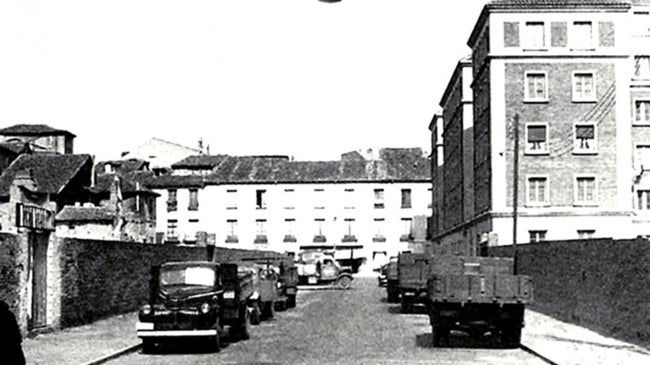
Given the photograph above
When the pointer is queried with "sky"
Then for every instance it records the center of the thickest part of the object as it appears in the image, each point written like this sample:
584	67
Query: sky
293	77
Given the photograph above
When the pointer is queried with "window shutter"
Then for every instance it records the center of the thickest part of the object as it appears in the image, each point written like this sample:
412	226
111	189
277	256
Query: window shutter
511	34
558	34
536	134
585	131
606	34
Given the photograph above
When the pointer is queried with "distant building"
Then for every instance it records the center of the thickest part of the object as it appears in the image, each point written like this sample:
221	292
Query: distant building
39	137
577	76
159	153
271	202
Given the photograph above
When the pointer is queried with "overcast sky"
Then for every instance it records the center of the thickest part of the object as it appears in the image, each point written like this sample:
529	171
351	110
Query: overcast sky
295	77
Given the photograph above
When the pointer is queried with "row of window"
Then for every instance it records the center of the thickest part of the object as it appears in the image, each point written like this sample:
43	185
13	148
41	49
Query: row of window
536	137
540	235
577	35
583	87
585	190
260	199
583	90
231	230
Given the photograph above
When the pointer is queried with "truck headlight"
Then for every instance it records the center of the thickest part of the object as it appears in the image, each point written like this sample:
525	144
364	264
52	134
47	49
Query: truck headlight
146	309
229	295
205	308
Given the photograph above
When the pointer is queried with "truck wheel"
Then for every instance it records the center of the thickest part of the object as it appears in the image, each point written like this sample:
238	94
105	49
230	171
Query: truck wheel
243	330
256	315
280	305
216	341
511	336
344	282
148	346
268	310
393	295
291	301
405	305
439	335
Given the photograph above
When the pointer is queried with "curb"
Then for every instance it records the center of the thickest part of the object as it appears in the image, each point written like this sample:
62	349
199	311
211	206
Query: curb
116	354
537	354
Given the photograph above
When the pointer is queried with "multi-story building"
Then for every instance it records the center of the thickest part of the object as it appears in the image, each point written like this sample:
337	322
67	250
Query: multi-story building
271	202
571	78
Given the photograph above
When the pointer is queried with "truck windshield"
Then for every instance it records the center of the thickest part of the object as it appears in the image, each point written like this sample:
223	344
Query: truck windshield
200	276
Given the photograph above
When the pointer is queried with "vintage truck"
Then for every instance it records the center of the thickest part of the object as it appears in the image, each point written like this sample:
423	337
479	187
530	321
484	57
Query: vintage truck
197	300
412	275
477	295
320	268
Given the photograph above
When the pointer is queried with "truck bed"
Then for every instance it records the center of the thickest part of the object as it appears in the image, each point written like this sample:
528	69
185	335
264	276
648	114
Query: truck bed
494	288
413	270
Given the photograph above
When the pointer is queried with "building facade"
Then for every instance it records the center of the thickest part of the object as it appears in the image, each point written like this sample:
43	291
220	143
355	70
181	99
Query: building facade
571	78
270	202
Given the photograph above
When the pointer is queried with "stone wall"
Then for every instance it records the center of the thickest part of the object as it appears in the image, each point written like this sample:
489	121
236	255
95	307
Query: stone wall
12	257
103	278
601	284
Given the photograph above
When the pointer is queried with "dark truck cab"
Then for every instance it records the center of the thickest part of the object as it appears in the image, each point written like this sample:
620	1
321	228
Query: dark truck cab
194	300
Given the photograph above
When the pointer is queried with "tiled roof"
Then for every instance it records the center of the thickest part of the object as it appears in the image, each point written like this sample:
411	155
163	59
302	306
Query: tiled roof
554	4
395	164
123	166
32	130
85	214
50	172
199	162
173	181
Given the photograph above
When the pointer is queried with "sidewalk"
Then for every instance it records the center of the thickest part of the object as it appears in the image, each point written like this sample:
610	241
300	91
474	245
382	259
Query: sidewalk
568	344
84	344
560	342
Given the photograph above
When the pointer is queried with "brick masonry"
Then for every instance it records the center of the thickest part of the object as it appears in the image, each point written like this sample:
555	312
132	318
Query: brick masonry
599	284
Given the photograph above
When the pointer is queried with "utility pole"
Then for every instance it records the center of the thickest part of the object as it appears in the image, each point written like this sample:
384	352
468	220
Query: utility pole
515	190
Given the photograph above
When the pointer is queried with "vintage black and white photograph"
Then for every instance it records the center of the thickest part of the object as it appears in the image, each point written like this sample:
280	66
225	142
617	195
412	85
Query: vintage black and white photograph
279	182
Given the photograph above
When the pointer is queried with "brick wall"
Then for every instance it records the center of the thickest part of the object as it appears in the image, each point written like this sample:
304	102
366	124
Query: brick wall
600	284
11	268
102	278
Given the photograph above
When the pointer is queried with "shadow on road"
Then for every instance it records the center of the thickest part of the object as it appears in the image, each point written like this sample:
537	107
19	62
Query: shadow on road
459	340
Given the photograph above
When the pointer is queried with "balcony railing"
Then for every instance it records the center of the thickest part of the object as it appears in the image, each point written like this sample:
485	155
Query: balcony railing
261	238
232	239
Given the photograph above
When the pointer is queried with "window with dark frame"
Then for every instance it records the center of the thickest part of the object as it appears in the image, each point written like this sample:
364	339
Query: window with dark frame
172	202
260	201
406	198
194	200
379	198
537	236
536	138
585	138
172	230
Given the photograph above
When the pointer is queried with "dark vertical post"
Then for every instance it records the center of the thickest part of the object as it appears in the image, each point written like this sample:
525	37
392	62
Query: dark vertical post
515	190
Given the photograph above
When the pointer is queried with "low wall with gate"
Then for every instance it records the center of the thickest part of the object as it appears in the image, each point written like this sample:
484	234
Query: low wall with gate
602	284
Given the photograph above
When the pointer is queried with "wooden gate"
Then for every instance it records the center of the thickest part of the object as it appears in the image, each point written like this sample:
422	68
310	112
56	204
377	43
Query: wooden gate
39	242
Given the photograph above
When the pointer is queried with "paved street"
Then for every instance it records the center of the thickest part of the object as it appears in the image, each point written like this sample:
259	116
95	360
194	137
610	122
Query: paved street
344	327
